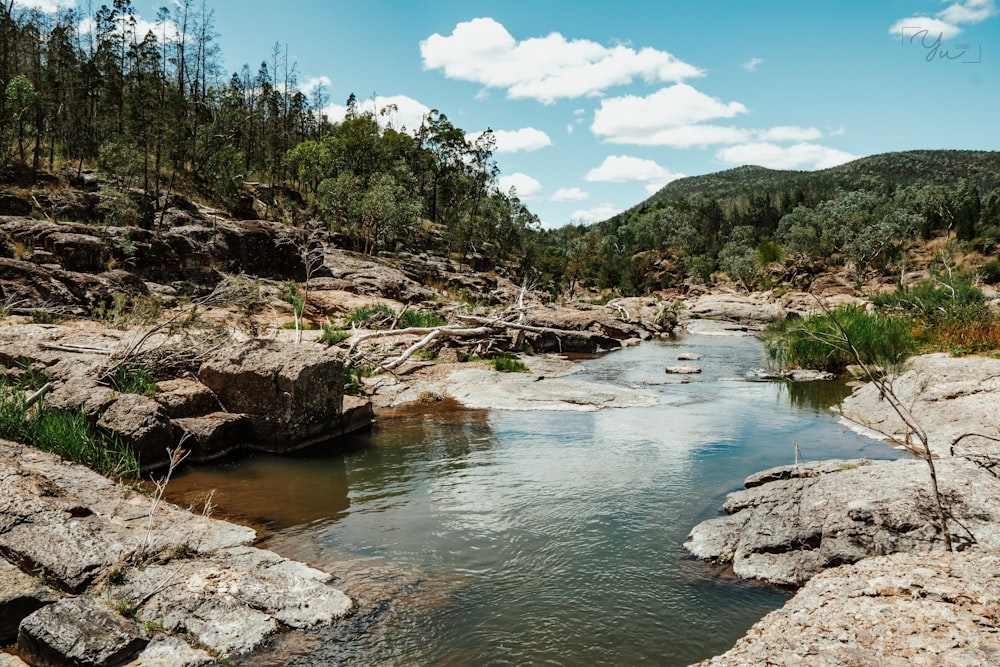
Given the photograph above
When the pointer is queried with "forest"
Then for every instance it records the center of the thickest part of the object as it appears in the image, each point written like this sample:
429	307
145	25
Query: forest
156	115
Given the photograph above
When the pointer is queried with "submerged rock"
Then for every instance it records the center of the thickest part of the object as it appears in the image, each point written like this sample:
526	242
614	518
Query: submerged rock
683	369
792	522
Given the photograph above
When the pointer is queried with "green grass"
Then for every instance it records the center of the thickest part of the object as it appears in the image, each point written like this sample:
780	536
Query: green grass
817	342
66	433
422	319
133	379
508	364
372	316
332	334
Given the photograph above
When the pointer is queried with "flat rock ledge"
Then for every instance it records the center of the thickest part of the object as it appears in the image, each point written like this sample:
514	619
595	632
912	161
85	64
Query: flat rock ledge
950	396
90	574
792	522
898	610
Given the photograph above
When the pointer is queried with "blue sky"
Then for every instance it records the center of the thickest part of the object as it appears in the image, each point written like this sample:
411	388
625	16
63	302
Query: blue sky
599	104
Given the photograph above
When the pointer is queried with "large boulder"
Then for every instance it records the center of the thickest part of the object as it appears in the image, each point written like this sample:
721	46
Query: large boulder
792	522
142	424
80	631
292	394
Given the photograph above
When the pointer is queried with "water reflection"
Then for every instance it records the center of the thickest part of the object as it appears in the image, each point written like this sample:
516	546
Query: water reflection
544	537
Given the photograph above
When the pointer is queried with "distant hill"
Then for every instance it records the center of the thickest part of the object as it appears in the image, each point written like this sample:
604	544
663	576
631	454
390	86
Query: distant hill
885	171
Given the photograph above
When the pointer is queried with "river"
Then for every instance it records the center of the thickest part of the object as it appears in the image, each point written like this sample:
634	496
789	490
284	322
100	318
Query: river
541	538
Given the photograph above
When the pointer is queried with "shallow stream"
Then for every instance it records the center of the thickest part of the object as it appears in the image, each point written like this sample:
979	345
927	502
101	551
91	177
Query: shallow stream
541	538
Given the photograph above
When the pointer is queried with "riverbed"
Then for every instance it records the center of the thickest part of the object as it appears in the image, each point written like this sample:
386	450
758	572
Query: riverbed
516	538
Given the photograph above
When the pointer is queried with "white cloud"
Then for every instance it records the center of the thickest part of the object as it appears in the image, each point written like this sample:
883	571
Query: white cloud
920	27
142	28
514	141
788	133
526	186
569	128
752	64
569	194
600	212
310	86
544	68
946	23
638	120
796	156
627	169
46	6
397	111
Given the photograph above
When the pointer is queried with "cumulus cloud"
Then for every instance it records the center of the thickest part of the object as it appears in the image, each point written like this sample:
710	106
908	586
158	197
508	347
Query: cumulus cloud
646	120
397	111
47	6
788	133
569	194
546	68
628	169
947	23
752	64
515	141
311	84
596	214
796	156
526	186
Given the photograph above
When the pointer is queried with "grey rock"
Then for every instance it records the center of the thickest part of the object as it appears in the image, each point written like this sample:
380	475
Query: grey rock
754	309
690	356
232	600
185	397
292	394
683	369
78	631
20	595
214	435
897	610
807	375
171	651
7	660
793	521
142	424
950	396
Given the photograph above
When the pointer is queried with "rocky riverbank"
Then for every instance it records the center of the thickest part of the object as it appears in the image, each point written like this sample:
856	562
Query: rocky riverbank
863	539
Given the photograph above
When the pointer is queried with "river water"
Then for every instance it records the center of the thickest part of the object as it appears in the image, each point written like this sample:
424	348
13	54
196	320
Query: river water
541	538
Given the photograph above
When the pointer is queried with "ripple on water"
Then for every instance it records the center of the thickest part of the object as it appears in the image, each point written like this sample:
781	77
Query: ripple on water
493	538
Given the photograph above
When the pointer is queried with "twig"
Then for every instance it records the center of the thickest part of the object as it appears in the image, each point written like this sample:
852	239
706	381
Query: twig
46	388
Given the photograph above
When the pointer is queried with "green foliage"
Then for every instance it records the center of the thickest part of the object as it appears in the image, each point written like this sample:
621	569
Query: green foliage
30	378
938	299
66	433
990	272
421	319
817	342
333	334
371	316
508	364
291	293
123	312
133	378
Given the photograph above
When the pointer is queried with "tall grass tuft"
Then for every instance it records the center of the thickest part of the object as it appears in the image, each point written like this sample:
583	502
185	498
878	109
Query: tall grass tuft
508	364
373	316
66	433
423	319
818	343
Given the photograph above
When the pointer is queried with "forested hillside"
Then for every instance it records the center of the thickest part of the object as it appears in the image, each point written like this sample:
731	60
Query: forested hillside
156	115
758	225
155	112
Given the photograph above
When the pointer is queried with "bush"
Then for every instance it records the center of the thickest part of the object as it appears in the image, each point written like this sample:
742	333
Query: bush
332	335
936	300
990	272
133	378
508	364
818	343
372	316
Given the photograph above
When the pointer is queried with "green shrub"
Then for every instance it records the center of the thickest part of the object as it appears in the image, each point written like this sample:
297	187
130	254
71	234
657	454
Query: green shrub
422	319
133	378
936	299
990	272
508	364
332	335
372	316
818	343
